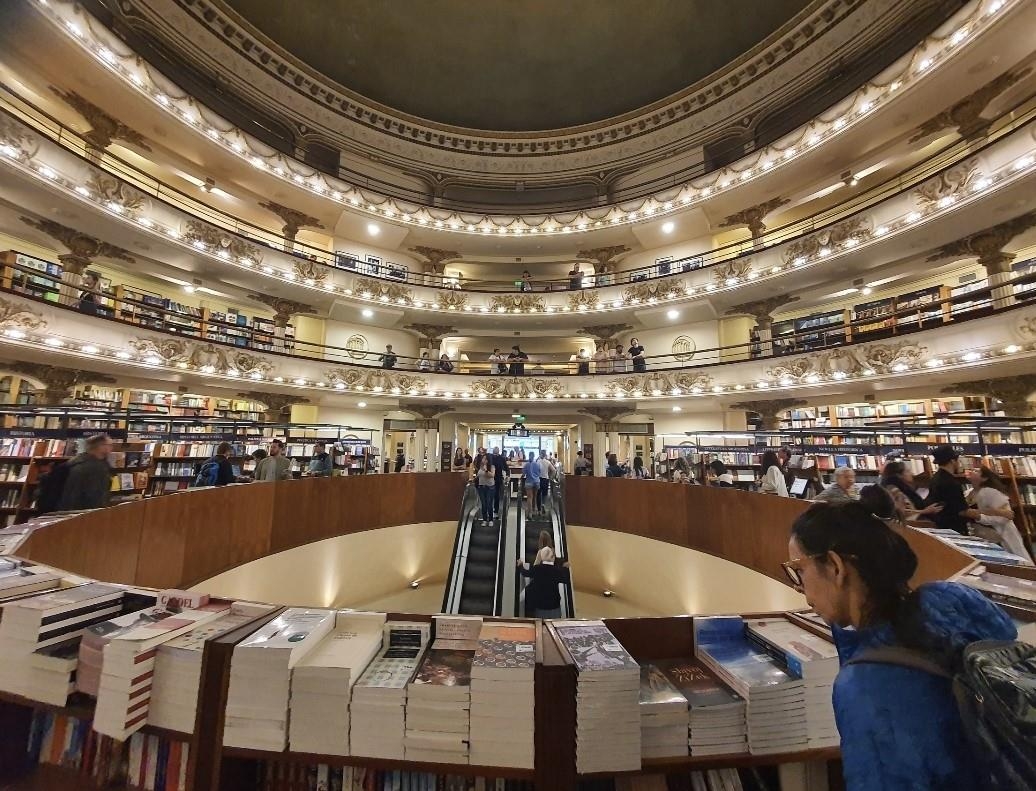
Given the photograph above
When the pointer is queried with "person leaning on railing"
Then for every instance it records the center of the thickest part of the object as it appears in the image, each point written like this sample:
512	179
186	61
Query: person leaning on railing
90	296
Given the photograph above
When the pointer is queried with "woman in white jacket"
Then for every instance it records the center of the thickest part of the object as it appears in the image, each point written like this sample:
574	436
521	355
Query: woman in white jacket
773	476
994	507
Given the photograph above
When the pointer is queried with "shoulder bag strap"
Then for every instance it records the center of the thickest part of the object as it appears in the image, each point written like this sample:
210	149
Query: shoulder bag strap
901	657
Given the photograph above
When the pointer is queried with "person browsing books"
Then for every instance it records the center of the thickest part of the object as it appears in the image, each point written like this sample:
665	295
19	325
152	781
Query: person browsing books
773	477
842	490
719	475
996	516
898	481
276	466
946	489
321	465
899	725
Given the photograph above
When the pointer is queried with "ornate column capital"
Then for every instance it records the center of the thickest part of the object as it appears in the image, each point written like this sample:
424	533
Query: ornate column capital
59	384
987	245
104	129
81	246
276	403
761	309
433	333
604	333
1012	391
425	412
753	216
283	309
605	415
294	220
966	115
435	258
603	258
768	410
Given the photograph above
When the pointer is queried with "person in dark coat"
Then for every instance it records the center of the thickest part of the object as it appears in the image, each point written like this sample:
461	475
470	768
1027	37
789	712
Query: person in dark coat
543	593
947	489
89	476
400	461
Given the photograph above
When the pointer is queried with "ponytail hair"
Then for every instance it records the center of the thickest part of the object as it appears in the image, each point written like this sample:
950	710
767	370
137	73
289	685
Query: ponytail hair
884	561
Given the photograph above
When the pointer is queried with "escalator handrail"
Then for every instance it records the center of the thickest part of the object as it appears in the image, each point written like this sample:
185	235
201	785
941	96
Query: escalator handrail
561	545
458	563
498	583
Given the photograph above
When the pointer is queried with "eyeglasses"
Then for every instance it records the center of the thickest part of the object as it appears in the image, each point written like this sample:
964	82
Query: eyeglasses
793	572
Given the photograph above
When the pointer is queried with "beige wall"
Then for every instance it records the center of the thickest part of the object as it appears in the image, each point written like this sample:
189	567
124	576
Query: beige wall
350	571
651	577
336	333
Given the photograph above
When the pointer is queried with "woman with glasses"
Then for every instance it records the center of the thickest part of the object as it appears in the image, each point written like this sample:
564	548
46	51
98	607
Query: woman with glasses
899	725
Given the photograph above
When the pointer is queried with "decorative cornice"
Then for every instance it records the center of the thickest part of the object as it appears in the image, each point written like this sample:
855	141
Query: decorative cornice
425	411
283	309
606	414
857	228
761	309
383	291
104	129
583	300
604	333
19	315
294	220
1012	391
59	383
276	403
435	258
377	380
987	245
80	244
656	383
517	303
603	258
733	271
966	115
654	290
203	356
451	300
951	184
110	190
432	332
753	216
518	387
768	410
222	242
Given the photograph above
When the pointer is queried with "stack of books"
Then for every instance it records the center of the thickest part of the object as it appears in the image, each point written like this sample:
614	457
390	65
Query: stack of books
717	715
260	678
378	710
503	696
321	684
663	716
177	679
607	698
18	578
809	657
39	638
117	661
438	703
776	712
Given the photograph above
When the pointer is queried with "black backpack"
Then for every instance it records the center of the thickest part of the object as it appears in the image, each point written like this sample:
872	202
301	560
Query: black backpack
995	690
50	487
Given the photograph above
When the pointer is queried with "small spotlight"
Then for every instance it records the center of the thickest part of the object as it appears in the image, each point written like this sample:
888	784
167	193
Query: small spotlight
415	584
607	593
668	227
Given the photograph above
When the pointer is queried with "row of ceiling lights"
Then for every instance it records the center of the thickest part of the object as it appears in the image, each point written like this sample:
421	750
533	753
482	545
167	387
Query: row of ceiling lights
342	193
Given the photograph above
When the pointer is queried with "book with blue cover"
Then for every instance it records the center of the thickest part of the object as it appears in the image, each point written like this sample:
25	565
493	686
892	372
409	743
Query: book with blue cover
722	644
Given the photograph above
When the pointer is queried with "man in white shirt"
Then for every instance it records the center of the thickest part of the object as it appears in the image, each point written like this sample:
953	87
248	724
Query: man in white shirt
497	363
547	471
602	361
581	466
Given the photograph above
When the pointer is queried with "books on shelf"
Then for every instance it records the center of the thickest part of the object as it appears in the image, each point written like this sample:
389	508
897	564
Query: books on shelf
438	704
663	715
18	578
503	696
156	764
607	697
776	710
811	658
117	662
291	775
70	742
378	711
1015	591
321	684
716	714
260	677
177	679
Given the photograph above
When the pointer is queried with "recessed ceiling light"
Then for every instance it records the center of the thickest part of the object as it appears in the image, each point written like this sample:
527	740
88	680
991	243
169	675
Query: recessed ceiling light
673	314
362	404
367	313
373	229
668	227
676	409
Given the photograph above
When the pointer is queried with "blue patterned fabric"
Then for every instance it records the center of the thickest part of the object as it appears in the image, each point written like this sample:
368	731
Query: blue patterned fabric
899	727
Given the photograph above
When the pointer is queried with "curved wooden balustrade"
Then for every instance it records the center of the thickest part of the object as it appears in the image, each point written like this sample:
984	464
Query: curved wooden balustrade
181	539
743	527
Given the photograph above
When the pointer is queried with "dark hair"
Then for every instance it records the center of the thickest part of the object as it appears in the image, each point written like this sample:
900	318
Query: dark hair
613	458
769	460
95	441
992	480
277	442
579	453
717	467
893	470
884	561
878	501
638	463
223	447
259	454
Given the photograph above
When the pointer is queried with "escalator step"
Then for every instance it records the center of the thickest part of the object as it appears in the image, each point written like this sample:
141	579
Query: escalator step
481	556
476	605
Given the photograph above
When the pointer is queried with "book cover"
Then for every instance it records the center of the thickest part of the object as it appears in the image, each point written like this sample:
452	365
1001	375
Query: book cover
593	647
506	646
656	690
446	666
288	629
699	685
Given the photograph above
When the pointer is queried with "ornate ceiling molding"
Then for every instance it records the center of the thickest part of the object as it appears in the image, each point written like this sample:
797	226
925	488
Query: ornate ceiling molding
277	404
966	115
761	310
603	258
59	384
15	315
432	332
435	258
857	229
82	246
753	216
1012	391
294	220
222	242
948	185
768	411
376	380
203	356
104	129
987	245
283	309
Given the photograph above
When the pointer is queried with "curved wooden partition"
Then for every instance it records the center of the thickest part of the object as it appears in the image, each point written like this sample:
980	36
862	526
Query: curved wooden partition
743	527
180	539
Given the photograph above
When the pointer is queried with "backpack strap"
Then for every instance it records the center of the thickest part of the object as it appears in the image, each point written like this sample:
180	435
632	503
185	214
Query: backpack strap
901	657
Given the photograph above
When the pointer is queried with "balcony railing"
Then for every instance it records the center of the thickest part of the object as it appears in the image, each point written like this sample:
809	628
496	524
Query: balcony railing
942	160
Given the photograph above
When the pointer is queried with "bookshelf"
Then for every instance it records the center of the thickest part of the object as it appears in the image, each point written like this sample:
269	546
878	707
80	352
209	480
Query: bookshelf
868	412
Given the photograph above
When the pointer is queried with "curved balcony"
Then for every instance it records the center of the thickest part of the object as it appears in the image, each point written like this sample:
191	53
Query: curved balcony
963	175
931	343
969	26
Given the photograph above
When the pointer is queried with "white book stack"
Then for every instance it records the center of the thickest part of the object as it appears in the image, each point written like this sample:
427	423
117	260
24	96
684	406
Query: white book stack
39	638
663	716
438	704
776	713
321	684
260	678
177	678
811	658
607	698
716	714
129	645
378	709
503	696
18	578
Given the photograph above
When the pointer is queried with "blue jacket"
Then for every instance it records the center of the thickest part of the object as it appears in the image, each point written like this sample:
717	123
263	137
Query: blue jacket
899	727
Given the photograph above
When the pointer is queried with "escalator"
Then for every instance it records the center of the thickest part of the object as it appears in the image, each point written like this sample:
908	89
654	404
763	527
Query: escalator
474	585
552	520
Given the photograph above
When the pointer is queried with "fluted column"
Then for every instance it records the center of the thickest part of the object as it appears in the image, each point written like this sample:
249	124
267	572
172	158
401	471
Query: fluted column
762	311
